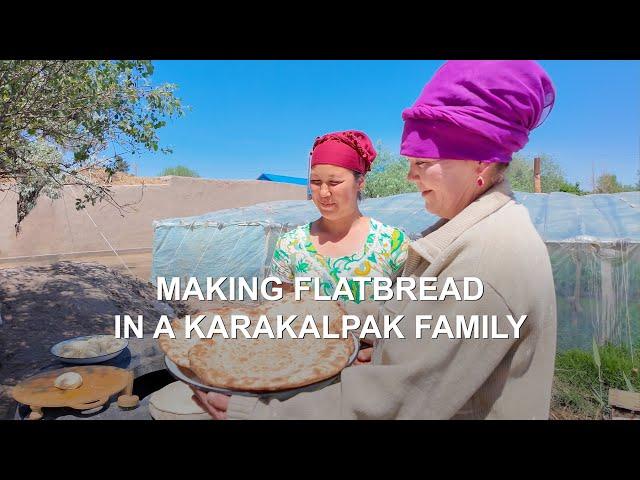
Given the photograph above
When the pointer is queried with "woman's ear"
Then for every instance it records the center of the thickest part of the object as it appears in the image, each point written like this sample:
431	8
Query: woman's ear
491	172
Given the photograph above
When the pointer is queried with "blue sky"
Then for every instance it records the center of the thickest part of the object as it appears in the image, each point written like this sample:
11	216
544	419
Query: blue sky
249	117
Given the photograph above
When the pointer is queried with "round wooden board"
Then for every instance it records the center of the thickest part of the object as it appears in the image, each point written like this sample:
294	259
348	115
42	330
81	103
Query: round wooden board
98	384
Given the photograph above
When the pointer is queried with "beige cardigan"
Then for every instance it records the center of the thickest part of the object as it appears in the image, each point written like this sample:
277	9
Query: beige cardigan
492	239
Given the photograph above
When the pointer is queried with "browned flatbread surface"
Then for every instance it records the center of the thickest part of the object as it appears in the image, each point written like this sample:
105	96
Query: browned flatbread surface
263	363
177	349
268	364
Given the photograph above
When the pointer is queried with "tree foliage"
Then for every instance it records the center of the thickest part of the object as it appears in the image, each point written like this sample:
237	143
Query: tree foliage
58	120
179	171
552	178
608	183
388	175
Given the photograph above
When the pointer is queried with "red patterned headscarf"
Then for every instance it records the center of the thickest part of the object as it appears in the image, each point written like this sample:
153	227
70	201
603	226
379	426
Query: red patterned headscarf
350	149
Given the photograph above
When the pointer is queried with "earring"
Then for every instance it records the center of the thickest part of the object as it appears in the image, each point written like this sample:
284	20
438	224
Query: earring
480	181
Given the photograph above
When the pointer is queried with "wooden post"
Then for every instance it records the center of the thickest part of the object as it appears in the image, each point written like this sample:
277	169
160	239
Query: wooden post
537	185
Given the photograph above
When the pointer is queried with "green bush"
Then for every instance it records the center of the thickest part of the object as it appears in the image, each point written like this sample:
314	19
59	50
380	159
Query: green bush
569	188
178	171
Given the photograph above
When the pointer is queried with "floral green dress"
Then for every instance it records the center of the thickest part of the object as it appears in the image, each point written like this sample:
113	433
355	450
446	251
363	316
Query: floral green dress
383	254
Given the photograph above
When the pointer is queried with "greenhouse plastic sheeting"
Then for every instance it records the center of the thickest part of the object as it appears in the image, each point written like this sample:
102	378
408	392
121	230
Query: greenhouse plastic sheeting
593	242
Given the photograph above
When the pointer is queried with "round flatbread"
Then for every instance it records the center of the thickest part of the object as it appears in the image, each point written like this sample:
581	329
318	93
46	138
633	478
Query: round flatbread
177	349
269	364
307	305
175	402
263	363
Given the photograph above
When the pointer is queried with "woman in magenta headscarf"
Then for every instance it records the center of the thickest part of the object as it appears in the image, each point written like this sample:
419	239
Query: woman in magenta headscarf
459	136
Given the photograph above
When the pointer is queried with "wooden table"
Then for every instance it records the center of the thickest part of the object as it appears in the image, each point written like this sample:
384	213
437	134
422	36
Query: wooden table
142	356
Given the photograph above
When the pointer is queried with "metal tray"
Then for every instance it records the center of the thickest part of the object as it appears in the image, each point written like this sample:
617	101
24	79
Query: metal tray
55	351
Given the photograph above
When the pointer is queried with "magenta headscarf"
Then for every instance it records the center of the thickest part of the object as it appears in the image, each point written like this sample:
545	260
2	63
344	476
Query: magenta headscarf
477	110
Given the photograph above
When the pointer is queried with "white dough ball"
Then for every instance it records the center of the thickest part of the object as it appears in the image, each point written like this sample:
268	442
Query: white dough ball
68	381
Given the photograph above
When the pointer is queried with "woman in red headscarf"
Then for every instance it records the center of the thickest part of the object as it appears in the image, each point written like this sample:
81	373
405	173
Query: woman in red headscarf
342	242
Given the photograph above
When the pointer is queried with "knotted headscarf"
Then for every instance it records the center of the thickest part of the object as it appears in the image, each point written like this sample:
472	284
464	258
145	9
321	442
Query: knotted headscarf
477	110
350	149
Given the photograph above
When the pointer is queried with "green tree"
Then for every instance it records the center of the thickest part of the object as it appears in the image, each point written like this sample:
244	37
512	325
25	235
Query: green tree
41	156
572	188
58	118
608	183
119	165
388	175
178	171
551	175
520	176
